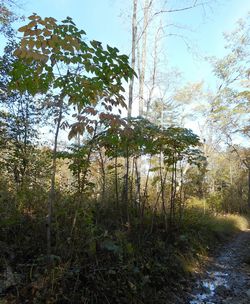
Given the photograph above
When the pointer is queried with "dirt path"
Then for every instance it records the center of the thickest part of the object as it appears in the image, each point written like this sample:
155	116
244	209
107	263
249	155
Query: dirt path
227	279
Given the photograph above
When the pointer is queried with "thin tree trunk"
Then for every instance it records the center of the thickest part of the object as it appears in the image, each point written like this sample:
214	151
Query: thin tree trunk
248	194
162	180
82	185
142	71
132	180
143	59
138	182
103	175
145	193
126	183
156	203
181	199
163	183
173	193
78	175
153	79
51	196
116	183
130	100
147	179
134	37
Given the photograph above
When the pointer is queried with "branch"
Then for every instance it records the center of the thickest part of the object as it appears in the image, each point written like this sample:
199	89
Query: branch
174	10
195	4
244	161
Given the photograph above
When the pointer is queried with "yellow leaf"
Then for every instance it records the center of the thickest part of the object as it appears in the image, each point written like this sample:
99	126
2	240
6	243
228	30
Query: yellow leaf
39	69
68	47
75	43
38	44
34	55
44	58
46	32
34	17
38	32
32	32
46	51
27	33
17	52
32	24
23	43
23	28
40	38
55	38
23	54
42	22
44	44
31	44
51	20
49	26
51	43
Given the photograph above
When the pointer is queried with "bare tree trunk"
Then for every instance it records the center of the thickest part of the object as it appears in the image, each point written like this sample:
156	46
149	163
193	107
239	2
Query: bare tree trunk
134	38
159	194
143	58
51	196
116	183
126	183
103	175
248	194
147	179
181	199
131	197
230	172
163	178
173	193
154	72
138	182
141	73
82	185
130	101
145	193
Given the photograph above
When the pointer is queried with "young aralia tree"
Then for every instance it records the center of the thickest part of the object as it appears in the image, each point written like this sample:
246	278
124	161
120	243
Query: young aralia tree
55	57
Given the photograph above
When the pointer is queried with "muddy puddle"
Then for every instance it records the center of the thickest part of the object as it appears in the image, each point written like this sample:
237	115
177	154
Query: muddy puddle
207	287
227	279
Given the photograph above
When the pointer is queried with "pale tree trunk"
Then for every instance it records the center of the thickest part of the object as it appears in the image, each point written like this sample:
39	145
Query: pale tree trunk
154	72
134	38
130	99
141	71
143	59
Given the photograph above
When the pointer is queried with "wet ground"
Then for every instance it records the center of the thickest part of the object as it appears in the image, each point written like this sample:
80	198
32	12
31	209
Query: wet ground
227	278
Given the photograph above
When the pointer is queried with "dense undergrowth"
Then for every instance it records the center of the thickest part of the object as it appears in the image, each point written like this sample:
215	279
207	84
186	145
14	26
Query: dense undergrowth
98	257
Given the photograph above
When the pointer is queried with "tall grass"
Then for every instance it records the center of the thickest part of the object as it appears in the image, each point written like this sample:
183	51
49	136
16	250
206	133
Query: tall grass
205	229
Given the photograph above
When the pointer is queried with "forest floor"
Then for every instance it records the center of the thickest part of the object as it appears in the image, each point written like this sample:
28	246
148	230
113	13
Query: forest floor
221	278
226	276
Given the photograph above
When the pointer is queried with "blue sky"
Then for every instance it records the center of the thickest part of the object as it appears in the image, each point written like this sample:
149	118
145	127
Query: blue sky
109	22
102	21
